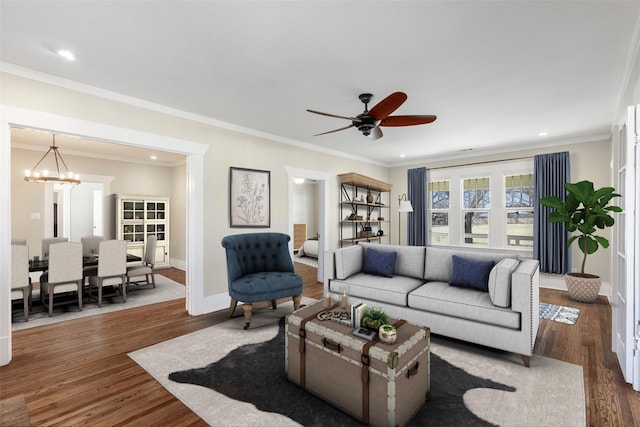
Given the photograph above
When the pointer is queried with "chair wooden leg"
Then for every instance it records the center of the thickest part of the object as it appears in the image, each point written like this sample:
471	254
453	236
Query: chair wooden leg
80	284
526	360
296	301
232	306
99	291
247	307
153	280
123	290
274	304
25	300
51	301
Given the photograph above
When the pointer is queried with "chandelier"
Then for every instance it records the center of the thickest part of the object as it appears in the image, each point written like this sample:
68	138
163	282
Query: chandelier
45	176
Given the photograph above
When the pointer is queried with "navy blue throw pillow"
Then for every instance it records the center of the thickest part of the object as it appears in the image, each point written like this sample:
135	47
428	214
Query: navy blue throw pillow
380	263
471	274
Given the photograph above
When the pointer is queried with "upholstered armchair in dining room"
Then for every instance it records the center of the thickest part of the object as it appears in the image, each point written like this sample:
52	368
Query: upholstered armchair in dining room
64	273
90	247
112	269
146	269
20	283
48	241
259	268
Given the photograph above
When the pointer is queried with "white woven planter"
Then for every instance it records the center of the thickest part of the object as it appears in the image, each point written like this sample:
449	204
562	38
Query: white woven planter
583	289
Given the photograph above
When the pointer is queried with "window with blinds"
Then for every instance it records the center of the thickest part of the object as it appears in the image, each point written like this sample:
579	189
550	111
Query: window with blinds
439	199
476	202
488	205
519	199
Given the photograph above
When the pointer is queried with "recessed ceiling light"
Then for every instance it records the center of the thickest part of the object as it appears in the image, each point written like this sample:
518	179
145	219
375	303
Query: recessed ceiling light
67	54
403	155
541	134
154	158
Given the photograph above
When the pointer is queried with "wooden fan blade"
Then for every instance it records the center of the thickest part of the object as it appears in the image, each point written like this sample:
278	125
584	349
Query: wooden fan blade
376	133
388	105
335	130
407	120
353	119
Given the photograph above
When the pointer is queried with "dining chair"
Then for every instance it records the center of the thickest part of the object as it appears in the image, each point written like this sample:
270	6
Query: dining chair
112	268
146	269
48	241
91	245
64	274
20	283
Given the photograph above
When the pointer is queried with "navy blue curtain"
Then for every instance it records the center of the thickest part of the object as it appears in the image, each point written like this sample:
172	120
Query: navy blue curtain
550	240
417	194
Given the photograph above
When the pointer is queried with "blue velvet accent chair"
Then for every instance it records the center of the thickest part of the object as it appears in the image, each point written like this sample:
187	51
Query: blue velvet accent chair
259	268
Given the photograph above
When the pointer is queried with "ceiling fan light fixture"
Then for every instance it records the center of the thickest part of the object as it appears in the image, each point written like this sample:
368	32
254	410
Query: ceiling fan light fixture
43	177
369	121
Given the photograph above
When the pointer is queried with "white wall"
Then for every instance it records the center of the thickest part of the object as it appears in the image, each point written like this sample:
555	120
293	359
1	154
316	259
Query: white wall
27	198
226	148
305	206
178	218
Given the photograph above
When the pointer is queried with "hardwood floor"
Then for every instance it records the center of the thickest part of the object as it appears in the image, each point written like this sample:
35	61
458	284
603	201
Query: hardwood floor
78	373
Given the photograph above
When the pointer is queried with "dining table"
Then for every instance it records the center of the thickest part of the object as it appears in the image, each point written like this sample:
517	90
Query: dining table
87	261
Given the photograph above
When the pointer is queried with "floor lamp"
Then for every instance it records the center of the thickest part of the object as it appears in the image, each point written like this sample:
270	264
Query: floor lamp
404	205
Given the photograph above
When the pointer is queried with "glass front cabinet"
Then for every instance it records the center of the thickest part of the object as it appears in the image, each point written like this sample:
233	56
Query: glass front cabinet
139	217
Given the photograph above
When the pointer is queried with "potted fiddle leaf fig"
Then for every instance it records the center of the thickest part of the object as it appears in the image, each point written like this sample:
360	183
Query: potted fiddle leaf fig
584	211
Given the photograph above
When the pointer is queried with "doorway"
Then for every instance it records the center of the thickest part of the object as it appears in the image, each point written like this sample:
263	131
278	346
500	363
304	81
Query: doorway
320	179
197	302
80	210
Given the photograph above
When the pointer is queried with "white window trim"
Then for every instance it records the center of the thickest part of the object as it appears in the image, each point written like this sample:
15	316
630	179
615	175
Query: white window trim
496	171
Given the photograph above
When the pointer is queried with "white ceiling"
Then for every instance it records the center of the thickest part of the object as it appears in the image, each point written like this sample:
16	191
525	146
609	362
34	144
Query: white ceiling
496	73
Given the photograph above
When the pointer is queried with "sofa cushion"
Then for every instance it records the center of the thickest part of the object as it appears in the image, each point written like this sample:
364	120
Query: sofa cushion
438	263
410	259
500	282
465	303
348	261
378	288
468	273
380	263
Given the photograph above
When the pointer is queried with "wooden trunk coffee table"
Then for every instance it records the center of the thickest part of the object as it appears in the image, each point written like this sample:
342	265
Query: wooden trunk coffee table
379	384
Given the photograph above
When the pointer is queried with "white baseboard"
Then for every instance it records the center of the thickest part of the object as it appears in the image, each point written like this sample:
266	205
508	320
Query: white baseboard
178	263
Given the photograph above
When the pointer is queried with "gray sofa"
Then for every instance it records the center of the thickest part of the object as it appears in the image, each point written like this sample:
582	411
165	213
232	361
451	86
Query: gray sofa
505	316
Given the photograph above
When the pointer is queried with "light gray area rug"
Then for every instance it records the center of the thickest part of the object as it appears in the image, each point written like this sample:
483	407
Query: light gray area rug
549	393
165	290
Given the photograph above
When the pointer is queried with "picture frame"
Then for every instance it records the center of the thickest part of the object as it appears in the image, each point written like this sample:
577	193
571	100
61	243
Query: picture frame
249	198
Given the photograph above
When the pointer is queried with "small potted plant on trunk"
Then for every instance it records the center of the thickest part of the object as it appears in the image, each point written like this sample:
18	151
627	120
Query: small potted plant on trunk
584	210
373	318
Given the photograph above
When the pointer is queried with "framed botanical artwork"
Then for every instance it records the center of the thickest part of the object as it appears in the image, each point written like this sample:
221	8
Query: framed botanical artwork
249	198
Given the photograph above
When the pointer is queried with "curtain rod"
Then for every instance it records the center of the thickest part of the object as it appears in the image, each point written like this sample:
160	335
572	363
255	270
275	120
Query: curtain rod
480	163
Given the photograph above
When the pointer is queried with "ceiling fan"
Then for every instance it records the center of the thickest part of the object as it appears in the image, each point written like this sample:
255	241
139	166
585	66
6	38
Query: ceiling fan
369	122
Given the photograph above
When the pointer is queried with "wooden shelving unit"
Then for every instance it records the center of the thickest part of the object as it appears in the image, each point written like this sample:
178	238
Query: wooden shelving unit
364	207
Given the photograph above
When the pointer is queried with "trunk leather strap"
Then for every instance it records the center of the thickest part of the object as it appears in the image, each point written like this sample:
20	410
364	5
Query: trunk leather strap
303	334
366	361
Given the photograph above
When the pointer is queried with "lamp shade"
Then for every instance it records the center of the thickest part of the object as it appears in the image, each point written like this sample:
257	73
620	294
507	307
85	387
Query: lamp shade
405	206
